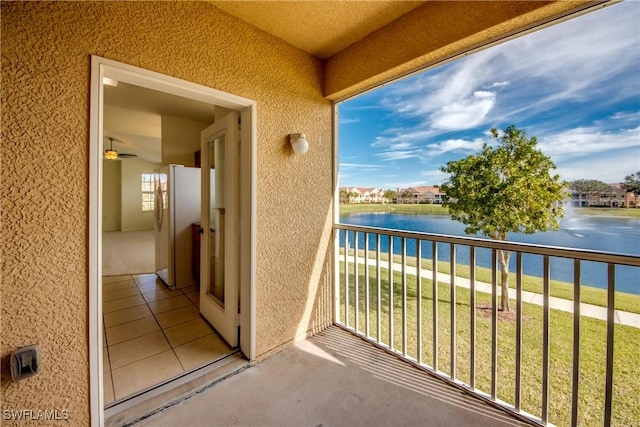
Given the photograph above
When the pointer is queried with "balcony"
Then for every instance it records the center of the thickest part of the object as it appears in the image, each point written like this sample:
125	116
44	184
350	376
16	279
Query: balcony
333	378
554	359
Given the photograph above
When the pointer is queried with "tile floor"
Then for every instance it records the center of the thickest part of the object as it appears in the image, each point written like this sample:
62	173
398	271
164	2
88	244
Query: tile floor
151	334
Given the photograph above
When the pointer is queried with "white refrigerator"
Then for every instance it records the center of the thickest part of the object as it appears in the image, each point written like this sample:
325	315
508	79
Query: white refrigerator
176	208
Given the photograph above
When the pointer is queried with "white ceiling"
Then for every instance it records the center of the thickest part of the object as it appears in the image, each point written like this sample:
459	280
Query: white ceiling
132	117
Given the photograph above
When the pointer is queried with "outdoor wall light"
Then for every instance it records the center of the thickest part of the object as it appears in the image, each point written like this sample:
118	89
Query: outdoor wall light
299	143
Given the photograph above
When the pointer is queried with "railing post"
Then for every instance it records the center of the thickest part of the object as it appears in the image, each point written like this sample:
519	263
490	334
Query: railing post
378	289
391	346
434	289
346	278
356	282
545	339
518	329
419	296
472	317
611	307
452	318
404	296
366	286
494	324
576	343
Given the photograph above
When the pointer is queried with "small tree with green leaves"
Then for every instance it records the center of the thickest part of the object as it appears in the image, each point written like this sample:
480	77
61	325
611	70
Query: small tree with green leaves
390	195
632	185
505	189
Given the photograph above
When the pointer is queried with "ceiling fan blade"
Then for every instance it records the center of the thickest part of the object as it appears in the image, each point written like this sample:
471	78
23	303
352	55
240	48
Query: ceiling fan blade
126	155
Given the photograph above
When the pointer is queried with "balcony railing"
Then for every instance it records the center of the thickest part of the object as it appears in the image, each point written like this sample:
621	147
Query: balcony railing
387	282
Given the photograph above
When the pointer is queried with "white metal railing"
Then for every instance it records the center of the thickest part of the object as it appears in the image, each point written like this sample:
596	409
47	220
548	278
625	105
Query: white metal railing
358	253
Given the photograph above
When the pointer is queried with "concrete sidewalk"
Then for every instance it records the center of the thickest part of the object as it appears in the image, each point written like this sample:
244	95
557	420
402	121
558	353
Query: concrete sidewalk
587	310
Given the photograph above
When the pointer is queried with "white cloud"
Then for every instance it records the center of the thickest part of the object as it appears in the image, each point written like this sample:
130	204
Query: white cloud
454	145
585	141
399	154
609	167
464	113
348	121
595	54
361	165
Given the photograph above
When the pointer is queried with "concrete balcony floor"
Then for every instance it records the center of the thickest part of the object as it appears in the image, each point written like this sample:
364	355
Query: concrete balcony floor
332	379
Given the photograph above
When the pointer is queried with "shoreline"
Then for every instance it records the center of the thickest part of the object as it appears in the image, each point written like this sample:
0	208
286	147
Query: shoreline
433	209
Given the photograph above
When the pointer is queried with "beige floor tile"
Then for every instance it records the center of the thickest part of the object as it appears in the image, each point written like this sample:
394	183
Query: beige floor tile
194	297
113	279
122	303
151	287
107	385
169	304
146	279
137	349
127	315
201	351
131	330
126	284
187	332
119	293
175	317
160	294
189	289
144	276
145	373
106	365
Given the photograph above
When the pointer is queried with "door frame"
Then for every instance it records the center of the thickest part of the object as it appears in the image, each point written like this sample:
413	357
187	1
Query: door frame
101	68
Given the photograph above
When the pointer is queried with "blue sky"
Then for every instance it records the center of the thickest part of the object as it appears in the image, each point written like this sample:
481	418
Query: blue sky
575	86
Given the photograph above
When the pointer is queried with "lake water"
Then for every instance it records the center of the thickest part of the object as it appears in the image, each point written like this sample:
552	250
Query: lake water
609	234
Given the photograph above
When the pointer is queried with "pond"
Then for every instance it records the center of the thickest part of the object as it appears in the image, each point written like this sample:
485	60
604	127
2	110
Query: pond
608	234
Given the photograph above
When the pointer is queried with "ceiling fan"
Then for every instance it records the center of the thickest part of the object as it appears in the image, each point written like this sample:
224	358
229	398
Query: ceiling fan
111	154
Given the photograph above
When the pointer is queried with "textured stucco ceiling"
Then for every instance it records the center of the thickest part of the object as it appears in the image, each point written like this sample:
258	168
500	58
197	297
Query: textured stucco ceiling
321	28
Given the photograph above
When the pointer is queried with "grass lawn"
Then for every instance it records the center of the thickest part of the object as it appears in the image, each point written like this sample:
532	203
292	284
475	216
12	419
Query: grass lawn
588	295
626	406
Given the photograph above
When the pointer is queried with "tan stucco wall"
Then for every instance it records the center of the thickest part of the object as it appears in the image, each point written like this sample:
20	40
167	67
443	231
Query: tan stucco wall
429	34
45	127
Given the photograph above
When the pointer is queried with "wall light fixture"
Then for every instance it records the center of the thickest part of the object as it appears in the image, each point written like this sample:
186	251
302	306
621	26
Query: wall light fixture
299	143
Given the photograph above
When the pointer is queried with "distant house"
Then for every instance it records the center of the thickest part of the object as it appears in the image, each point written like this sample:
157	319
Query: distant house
423	194
614	197
362	195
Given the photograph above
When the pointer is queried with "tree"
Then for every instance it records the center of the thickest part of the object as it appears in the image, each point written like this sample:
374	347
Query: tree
590	187
505	189
406	195
632	185
390	195
344	198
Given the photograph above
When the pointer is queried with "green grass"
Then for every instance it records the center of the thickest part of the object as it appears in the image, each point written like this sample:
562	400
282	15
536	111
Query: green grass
626	407
588	295
440	210
405	209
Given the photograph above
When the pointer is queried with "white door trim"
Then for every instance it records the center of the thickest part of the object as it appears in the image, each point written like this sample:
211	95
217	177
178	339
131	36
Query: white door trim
100	68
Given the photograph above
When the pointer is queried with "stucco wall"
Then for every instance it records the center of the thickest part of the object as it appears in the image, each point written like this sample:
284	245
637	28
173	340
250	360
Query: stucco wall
45	116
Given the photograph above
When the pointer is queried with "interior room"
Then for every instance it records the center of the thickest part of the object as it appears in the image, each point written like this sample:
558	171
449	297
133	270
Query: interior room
153	329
